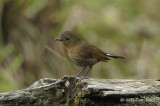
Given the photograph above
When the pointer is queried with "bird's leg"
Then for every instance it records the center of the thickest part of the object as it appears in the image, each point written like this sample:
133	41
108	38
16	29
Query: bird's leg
80	71
83	77
90	67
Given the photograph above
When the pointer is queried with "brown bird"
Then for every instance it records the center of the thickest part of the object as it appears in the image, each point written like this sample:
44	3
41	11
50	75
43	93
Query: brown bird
83	53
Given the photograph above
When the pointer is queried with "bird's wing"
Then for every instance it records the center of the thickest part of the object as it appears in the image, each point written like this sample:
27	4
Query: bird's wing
87	50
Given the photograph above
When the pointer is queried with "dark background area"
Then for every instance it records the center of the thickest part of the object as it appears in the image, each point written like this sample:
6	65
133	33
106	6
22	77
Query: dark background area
130	28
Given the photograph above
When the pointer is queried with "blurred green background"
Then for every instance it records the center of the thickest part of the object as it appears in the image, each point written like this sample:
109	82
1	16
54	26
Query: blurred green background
129	28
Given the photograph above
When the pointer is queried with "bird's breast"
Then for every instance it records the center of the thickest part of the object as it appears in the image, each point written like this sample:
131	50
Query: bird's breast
76	56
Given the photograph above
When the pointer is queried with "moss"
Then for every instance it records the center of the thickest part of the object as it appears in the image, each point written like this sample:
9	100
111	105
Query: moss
81	98
77	99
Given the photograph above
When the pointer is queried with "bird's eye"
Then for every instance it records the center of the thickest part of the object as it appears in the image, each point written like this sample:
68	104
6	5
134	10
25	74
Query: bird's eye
67	38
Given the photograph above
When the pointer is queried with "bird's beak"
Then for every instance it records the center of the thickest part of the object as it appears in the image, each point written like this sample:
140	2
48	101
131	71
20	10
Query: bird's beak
58	39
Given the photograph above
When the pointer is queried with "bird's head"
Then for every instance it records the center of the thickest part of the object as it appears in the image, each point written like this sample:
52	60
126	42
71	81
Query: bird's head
68	38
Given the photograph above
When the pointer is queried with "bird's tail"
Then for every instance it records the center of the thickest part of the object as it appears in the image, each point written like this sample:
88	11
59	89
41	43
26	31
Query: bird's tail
114	56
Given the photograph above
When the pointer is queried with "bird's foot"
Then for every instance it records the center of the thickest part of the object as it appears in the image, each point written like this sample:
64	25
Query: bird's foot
76	75
80	77
83	77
